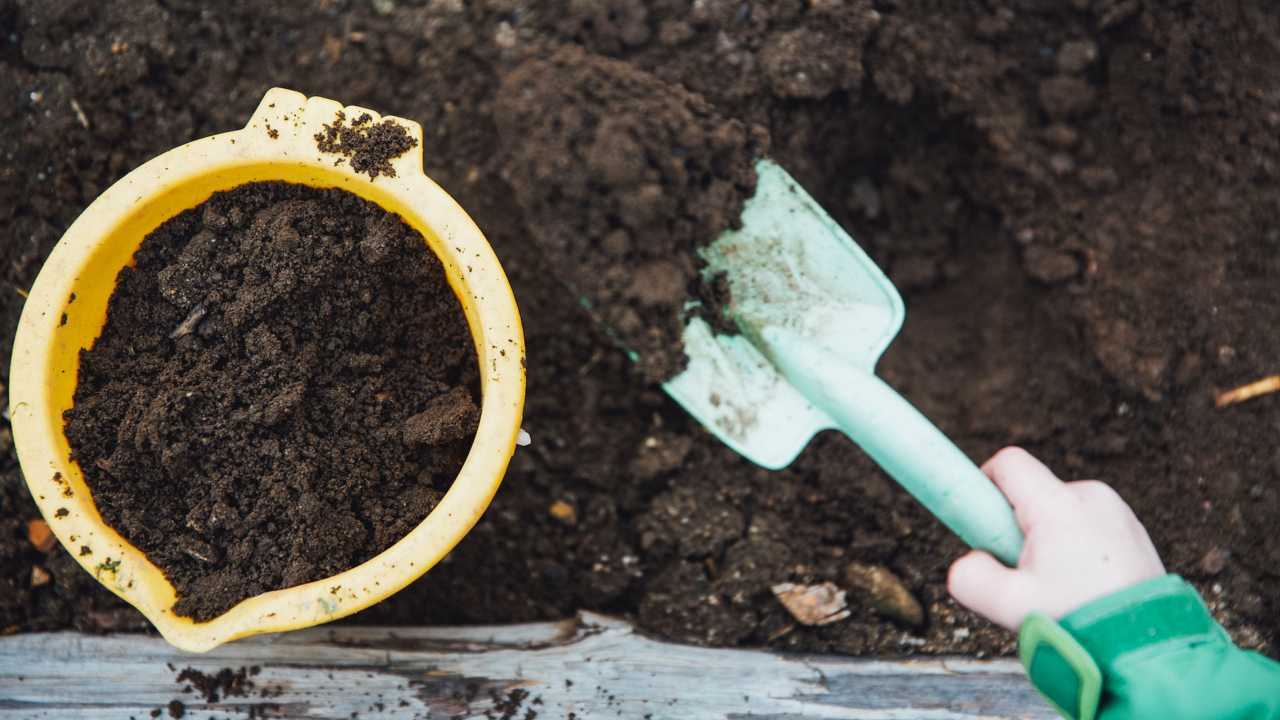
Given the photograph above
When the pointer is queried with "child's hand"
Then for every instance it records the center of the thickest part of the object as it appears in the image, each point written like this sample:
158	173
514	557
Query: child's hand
1082	542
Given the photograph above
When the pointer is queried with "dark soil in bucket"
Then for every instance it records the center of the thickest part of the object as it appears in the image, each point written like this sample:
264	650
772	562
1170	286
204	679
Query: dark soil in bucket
1077	200
285	387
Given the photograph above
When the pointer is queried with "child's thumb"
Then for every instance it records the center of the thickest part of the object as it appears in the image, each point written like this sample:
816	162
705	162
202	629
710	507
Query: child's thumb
979	582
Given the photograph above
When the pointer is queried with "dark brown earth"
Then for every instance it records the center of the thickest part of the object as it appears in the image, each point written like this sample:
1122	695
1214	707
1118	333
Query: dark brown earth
621	176
1077	199
283	389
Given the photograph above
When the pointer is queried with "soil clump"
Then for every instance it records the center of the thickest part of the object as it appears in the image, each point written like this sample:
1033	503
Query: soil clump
622	177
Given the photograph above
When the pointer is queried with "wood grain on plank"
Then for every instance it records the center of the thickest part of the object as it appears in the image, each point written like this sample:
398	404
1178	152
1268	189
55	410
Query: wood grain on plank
591	666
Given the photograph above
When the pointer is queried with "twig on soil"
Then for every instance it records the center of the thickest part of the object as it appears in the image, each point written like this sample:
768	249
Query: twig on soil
84	120
186	327
21	293
1264	386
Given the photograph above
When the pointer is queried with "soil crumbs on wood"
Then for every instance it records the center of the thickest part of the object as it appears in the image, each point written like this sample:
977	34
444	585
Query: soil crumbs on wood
283	389
225	683
1077	200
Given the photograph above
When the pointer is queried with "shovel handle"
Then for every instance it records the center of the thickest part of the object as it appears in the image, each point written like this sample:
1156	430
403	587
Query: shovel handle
909	447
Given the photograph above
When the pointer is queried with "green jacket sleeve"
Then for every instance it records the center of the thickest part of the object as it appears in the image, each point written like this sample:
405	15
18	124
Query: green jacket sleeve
1149	651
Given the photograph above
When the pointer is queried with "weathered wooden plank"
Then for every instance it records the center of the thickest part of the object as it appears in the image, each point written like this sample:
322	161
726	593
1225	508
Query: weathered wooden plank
591	667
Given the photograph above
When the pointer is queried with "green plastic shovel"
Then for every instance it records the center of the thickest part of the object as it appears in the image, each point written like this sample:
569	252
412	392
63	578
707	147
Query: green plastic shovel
815	314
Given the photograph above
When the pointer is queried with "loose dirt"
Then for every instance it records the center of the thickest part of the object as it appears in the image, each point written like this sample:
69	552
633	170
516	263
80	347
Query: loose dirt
220	685
1076	199
283	389
622	177
368	146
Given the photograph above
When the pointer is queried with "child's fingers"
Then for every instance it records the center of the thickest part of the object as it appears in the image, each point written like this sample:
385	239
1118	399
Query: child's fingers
1031	488
979	582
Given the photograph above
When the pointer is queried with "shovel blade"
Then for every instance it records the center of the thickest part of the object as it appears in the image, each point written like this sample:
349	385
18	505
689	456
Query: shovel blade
791	267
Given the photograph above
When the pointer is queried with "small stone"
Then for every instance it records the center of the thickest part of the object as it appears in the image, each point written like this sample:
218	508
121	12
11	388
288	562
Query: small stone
1214	561
885	592
820	604
39	576
40	536
505	36
1076	55
564	512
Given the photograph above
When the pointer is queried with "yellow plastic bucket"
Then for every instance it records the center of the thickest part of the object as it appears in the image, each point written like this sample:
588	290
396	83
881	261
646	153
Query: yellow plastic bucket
66	311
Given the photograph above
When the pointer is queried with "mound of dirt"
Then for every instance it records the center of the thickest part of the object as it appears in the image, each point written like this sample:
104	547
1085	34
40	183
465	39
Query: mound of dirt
622	177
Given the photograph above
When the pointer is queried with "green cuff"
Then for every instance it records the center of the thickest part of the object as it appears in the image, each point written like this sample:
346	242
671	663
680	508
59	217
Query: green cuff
1060	668
1068	661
